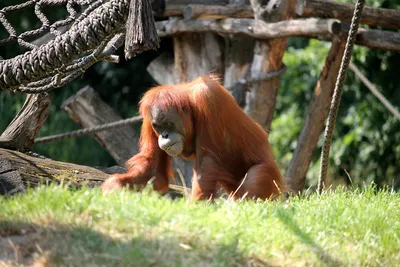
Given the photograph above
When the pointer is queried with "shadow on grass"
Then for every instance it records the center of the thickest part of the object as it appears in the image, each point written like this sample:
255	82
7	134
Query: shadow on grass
64	245
287	218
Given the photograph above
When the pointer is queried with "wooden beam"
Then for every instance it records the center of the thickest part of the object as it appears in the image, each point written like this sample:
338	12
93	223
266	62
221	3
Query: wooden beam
385	40
216	11
315	119
382	17
19	170
22	130
253	28
311	28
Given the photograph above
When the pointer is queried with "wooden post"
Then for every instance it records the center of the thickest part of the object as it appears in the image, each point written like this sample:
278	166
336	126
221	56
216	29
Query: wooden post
316	115
268	55
87	109
197	54
22	130
238	53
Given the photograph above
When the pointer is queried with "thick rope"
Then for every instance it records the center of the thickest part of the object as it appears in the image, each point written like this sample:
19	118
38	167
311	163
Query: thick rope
103	23
69	73
337	94
38	4
91	130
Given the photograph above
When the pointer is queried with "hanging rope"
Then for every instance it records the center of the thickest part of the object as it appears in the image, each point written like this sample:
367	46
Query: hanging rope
337	93
88	37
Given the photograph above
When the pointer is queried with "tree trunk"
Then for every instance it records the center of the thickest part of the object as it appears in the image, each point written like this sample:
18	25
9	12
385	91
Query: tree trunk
18	171
316	115
22	130
87	109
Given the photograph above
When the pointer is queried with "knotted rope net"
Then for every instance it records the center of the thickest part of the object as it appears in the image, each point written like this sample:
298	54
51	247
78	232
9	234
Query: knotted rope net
78	41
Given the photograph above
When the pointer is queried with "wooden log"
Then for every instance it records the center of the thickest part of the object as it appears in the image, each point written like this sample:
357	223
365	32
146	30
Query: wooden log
18	171
382	17
217	12
315	119
197	54
87	109
312	28
31	171
385	40
162	69
253	28
22	130
261	99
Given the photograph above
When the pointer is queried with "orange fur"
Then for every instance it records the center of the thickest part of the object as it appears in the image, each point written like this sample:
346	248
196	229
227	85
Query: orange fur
228	144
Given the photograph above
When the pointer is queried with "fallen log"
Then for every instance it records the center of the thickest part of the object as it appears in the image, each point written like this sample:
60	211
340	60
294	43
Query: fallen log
18	171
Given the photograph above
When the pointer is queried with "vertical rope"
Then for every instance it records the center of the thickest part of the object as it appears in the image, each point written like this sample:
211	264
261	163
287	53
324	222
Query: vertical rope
338	93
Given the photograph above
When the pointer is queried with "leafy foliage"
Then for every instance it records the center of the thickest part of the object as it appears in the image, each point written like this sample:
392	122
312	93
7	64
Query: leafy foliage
366	137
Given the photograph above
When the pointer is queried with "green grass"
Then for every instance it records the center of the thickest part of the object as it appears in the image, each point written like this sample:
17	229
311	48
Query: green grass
84	228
